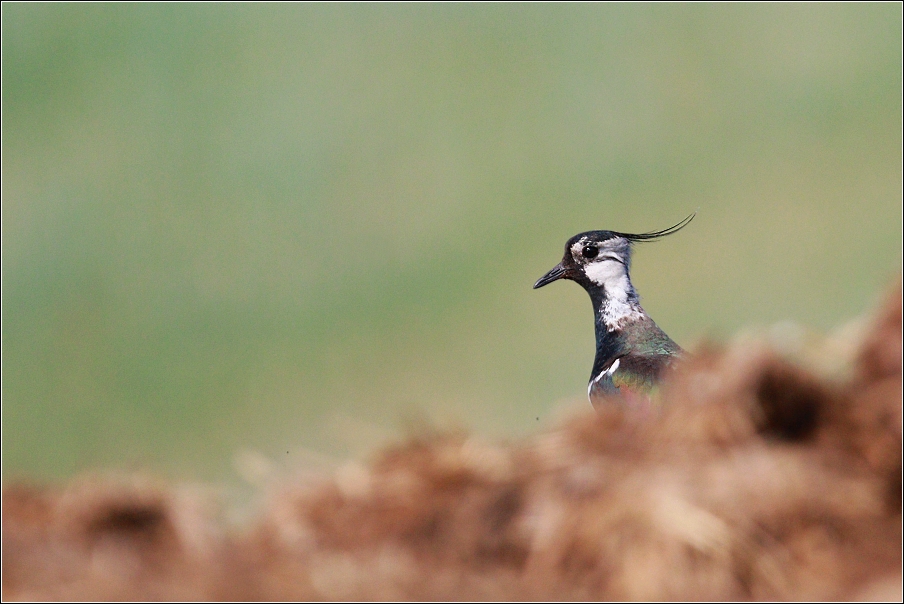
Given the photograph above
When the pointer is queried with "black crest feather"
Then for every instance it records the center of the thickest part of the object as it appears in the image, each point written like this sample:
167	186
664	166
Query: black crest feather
653	235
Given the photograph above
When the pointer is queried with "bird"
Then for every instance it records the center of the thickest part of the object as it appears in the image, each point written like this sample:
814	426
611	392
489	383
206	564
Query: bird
632	352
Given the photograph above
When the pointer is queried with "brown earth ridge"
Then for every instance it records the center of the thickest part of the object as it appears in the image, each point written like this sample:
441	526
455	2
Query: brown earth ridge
758	479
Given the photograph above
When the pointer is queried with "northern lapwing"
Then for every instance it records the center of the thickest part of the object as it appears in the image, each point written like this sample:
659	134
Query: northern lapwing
632	352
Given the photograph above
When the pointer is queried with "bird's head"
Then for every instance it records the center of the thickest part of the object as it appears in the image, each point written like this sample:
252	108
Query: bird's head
601	258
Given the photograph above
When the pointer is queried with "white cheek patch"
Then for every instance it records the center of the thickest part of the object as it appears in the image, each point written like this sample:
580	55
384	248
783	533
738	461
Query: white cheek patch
605	270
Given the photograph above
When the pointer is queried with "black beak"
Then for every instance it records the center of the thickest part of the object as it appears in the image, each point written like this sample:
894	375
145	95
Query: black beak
557	272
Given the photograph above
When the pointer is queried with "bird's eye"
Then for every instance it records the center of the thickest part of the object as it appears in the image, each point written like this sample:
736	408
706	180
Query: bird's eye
590	251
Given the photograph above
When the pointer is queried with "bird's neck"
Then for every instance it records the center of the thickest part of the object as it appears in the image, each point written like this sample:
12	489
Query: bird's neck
615	304
615	307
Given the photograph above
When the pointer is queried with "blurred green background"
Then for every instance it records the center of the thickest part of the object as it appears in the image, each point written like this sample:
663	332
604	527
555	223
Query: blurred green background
294	229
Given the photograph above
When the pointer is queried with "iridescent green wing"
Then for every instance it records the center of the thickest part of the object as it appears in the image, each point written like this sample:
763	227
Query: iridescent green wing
625	378
640	373
650	341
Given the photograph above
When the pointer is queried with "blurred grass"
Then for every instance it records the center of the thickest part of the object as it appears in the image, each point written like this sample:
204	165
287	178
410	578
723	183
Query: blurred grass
296	227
